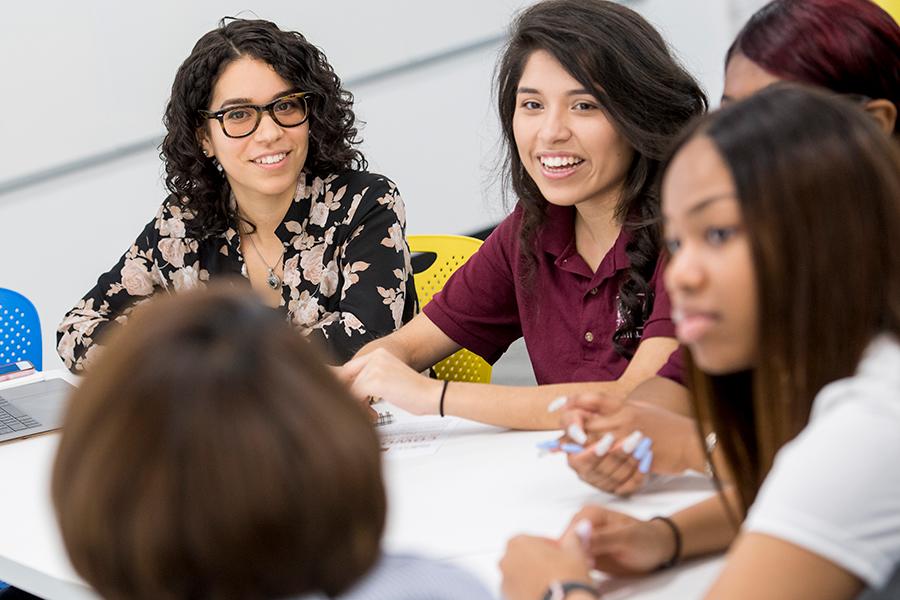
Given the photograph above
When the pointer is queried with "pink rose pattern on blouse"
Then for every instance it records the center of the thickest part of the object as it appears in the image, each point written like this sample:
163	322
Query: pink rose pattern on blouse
347	274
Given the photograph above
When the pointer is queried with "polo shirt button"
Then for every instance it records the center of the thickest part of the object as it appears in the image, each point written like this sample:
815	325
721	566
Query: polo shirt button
594	291
589	337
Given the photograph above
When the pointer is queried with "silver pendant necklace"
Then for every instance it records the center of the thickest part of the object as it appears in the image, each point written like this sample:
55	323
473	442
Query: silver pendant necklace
272	278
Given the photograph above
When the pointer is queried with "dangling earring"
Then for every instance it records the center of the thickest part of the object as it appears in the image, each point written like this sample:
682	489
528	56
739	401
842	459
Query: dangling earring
205	152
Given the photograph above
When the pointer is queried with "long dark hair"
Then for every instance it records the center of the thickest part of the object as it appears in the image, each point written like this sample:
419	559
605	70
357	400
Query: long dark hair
819	188
211	454
848	46
193	179
647	95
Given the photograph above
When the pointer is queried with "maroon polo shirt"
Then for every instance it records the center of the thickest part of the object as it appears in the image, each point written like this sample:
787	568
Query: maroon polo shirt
674	367
566	313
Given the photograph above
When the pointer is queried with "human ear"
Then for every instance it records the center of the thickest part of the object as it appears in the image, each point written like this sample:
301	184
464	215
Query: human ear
205	145
884	112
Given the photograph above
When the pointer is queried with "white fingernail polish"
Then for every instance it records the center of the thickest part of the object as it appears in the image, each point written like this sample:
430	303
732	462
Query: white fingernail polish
583	529
557	404
631	442
577	434
604	444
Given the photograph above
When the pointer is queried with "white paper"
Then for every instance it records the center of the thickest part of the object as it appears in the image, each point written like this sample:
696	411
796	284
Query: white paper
414	436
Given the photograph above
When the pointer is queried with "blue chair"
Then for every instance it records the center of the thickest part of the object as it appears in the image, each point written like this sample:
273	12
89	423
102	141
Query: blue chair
20	335
20	330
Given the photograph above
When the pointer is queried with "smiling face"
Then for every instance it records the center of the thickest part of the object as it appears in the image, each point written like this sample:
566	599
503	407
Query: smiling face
565	141
710	276
263	166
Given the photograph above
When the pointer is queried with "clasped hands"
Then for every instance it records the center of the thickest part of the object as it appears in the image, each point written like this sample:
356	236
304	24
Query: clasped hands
624	441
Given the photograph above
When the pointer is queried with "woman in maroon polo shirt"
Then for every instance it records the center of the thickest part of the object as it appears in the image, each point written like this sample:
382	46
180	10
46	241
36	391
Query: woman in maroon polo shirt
589	99
846	46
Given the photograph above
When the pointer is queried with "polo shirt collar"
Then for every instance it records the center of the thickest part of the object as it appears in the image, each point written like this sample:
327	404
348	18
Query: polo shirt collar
557	238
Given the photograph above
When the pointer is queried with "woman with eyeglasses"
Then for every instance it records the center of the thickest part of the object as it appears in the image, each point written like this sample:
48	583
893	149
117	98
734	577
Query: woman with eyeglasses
267	188
781	217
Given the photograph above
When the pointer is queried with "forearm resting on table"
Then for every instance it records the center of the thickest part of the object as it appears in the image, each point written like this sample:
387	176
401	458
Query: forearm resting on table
663	393
709	527
514	406
526	407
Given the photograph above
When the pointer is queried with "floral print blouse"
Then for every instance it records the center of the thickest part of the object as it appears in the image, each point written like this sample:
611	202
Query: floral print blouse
347	276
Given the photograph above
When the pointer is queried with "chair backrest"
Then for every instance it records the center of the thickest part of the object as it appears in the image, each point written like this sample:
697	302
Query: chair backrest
452	252
20	330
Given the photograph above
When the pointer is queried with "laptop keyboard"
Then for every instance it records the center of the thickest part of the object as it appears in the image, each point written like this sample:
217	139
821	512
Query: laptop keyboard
12	419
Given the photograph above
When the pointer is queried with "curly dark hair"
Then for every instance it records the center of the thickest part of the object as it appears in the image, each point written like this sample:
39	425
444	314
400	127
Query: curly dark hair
646	94
195	180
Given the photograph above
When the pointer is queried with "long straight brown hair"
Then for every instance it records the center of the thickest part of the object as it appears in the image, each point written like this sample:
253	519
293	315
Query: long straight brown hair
819	188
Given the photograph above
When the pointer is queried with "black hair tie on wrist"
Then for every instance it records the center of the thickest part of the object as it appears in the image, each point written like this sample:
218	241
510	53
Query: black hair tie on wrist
676	533
443	393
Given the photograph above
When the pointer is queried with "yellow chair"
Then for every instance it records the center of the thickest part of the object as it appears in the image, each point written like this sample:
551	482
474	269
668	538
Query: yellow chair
452	251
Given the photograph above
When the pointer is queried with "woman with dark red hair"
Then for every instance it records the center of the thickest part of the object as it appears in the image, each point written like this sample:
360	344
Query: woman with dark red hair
851	47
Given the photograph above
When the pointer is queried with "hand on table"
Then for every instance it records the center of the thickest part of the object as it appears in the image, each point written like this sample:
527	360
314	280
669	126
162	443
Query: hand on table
382	375
622	545
531	563
625	441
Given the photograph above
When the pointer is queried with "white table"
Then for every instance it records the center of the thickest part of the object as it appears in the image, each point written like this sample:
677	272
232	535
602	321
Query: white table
485	485
460	504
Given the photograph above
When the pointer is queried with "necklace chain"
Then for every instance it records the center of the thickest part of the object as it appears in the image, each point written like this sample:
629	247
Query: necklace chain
272	278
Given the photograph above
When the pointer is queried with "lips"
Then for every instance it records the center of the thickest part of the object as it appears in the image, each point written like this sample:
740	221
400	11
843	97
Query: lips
273	159
692	326
559	166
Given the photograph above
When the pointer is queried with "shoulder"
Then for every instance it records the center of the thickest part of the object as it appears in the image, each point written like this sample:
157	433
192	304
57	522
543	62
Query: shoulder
506	232
172	218
356	182
833	489
351	197
411	578
875	386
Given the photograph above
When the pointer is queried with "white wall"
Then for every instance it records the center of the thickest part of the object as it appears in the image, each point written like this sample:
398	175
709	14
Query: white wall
88	77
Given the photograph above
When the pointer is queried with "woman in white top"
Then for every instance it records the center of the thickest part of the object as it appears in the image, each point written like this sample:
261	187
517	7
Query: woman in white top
782	215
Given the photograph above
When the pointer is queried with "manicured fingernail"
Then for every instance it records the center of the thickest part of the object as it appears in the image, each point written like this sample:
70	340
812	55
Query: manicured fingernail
557	404
577	433
644	467
642	449
631	442
571	448
605	443
583	530
548	444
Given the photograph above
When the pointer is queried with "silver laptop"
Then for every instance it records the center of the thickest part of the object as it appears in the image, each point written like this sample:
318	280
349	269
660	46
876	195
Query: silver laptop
32	408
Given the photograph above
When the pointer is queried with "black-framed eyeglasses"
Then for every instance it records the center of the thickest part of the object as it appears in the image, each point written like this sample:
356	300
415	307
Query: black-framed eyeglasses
242	120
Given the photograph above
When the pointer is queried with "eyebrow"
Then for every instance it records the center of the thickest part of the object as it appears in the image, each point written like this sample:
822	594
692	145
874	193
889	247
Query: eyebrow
706	203
578	92
242	101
